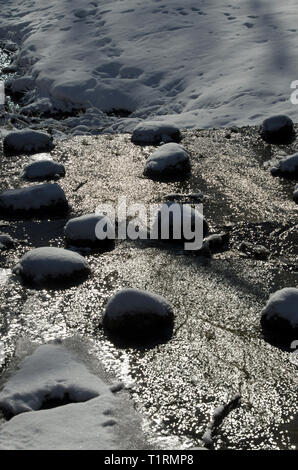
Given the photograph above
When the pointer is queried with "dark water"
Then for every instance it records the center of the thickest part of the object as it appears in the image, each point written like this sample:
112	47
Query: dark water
217	348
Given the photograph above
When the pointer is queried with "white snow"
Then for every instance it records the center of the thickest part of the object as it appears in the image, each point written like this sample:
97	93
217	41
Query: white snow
153	132
51	372
194	64
32	198
43	169
49	263
27	141
131	308
168	159
83	228
283	304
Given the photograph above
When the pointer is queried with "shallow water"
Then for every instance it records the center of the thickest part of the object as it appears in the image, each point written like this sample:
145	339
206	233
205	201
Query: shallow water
217	348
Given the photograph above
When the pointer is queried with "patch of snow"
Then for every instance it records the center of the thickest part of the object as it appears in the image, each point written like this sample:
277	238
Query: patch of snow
82	230
100	418
153	132
169	159
281	306
27	141
43	169
188	64
49	264
51	372
134	312
33	199
278	130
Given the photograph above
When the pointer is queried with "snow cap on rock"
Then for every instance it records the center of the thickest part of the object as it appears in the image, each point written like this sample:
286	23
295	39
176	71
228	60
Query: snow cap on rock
280	315
50	265
154	132
33	200
43	170
137	313
168	160
278	130
26	141
81	230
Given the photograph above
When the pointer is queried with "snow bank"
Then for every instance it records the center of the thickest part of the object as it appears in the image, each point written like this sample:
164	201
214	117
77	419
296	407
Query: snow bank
48	265
280	315
33	200
136	313
51	373
194	64
42	170
286	167
278	130
295	194
81	231
53	377
151	132
167	161
27	141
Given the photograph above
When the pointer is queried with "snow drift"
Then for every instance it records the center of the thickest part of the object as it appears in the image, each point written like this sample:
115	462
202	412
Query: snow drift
201	65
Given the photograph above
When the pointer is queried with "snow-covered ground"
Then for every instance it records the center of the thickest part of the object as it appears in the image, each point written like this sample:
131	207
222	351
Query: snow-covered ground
200	64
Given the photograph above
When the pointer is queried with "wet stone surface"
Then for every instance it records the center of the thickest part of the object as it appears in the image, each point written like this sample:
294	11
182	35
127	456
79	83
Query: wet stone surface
217	349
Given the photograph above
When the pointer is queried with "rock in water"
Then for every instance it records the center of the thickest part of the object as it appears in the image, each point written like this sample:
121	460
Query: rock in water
280	315
26	141
34	200
81	231
278	130
295	194
50	266
154	132
287	167
169	160
133	313
43	170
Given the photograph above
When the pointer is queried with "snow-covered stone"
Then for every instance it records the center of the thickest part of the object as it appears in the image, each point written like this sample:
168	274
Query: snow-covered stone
280	315
48	198
27	141
278	130
6	241
287	167
295	193
43	170
81	231
137	313
168	160
180	218
50	265
52	372
154	132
